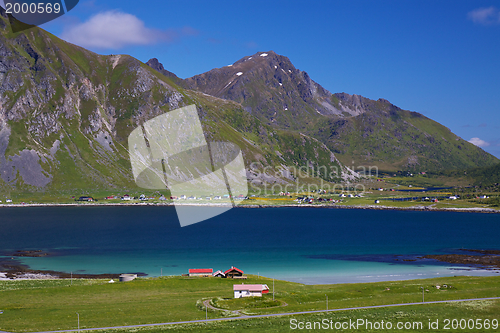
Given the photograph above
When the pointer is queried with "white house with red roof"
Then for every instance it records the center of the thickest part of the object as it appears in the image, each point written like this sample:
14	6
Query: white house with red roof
201	271
249	290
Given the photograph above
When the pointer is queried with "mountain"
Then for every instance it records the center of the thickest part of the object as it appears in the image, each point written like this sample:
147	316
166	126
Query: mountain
395	139
360	131
66	113
271	88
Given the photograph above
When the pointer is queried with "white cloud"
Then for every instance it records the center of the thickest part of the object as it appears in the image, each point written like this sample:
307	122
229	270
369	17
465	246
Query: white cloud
485	16
114	30
478	142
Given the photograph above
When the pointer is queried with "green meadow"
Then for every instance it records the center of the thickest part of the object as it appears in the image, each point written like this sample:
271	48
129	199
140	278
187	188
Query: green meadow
43	305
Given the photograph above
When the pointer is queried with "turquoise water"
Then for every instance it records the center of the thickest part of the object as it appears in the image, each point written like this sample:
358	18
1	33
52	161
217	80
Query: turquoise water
307	245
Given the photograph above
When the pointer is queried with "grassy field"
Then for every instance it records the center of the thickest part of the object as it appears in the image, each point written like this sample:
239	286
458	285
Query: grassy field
52	304
409	315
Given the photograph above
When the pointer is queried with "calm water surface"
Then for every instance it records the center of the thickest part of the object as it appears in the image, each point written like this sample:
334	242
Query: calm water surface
307	245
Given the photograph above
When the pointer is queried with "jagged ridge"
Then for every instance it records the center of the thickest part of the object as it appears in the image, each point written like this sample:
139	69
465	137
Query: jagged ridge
66	113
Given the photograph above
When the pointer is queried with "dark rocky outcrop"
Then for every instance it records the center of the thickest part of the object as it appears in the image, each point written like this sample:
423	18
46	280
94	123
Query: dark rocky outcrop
157	66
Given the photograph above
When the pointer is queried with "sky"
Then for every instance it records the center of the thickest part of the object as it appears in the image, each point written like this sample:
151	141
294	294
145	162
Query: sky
439	58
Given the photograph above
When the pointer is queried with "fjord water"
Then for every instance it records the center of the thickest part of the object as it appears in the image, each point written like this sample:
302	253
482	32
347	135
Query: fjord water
308	245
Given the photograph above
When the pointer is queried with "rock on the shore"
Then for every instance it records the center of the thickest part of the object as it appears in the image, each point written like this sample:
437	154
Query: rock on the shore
35	276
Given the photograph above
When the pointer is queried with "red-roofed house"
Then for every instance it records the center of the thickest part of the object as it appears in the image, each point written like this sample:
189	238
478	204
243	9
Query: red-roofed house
201	271
233	272
248	290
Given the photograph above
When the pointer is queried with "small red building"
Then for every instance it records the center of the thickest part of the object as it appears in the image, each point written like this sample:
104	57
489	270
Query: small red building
201	271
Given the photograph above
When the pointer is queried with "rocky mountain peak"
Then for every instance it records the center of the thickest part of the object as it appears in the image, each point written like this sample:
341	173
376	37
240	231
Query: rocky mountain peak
158	66
263	59
269	86
155	64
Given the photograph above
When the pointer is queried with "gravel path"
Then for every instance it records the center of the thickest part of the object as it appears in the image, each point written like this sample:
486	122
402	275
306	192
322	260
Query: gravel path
210	306
237	312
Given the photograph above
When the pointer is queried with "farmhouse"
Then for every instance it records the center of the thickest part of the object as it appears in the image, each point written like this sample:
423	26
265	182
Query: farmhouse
219	273
234	272
84	199
248	290
200	271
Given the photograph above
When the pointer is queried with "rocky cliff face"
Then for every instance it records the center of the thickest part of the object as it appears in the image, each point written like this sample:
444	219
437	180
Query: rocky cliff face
66	113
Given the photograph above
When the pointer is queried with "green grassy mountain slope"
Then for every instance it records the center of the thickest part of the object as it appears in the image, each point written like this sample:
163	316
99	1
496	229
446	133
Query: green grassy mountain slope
487	176
358	130
66	113
395	139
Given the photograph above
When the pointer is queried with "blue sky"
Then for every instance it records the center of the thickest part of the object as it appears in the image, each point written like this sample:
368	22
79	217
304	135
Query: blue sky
440	58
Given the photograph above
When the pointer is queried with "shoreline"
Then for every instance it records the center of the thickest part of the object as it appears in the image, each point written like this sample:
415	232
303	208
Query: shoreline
371	207
17	271
54	275
469	259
